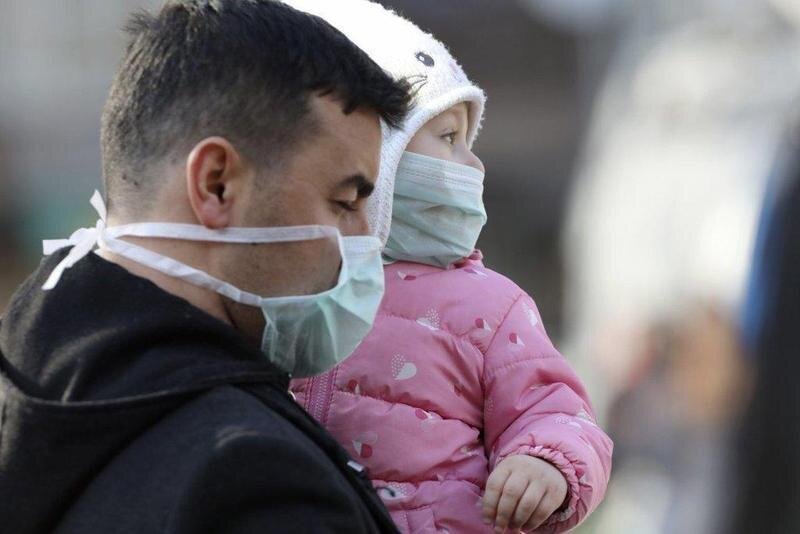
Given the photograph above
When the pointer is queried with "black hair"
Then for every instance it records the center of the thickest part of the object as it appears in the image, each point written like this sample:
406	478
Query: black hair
241	69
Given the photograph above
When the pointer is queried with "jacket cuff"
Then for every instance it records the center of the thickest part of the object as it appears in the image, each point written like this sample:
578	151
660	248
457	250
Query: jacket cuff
570	507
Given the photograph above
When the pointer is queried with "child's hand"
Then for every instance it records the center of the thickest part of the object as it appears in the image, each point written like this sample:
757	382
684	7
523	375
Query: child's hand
522	492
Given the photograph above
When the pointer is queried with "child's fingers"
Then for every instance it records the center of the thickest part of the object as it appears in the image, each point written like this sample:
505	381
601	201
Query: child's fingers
527	505
547	505
514	489
491	497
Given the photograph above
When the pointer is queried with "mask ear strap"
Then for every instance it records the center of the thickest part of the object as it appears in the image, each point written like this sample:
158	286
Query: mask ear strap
176	269
193	232
181	271
84	240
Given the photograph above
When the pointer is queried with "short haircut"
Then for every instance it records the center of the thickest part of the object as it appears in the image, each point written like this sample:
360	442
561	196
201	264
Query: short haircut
241	69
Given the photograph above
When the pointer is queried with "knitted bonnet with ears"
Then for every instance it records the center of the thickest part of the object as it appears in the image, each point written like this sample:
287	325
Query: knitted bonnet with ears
405	51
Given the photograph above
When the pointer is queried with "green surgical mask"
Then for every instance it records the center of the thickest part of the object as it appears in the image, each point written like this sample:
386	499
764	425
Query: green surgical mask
438	211
308	335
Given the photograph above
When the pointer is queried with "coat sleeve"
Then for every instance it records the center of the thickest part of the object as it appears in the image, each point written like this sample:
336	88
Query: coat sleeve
535	404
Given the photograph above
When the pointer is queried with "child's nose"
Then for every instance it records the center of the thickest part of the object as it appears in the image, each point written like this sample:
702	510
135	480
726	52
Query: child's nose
474	161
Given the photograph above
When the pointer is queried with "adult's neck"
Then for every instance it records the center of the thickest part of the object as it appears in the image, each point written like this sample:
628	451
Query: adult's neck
202	298
171	207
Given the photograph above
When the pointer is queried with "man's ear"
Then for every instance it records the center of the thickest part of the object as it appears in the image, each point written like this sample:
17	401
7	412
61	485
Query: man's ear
213	175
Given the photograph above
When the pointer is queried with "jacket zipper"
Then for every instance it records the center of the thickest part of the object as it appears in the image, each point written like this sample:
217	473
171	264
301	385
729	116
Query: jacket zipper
319	393
312	383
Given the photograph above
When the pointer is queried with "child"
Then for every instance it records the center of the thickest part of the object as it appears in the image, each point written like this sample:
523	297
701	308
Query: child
465	415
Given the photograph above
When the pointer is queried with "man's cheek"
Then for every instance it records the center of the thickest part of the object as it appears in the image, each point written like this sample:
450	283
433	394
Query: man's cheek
321	261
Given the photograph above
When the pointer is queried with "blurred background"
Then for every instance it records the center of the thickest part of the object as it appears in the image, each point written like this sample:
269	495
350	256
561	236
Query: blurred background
629	145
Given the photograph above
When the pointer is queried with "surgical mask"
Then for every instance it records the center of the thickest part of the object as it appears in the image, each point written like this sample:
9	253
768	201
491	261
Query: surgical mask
438	211
304	335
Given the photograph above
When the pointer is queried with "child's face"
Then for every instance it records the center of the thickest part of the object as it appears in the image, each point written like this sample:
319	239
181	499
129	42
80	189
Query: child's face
445	137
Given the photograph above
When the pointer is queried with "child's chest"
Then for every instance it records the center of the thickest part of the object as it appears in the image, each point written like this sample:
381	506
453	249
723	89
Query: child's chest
406	361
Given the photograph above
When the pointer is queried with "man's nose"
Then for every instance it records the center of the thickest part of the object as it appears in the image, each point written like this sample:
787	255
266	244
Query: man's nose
357	224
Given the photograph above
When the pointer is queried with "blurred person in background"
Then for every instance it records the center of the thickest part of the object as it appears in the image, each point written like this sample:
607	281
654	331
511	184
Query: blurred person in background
144	386
684	133
767	464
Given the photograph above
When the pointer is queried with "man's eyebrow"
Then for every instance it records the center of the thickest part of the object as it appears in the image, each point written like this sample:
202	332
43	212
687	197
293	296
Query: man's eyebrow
360	182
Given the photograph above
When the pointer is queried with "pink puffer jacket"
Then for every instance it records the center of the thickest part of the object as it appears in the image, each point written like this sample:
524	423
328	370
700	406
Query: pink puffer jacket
458	374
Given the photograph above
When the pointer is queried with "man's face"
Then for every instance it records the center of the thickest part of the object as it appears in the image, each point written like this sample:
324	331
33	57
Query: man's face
326	181
330	174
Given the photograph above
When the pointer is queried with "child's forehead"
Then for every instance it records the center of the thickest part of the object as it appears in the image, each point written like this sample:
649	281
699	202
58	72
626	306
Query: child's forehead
456	112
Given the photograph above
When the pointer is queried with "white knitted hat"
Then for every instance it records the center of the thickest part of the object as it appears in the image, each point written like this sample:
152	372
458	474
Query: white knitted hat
405	51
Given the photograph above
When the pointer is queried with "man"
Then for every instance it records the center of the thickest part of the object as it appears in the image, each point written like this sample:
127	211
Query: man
142	388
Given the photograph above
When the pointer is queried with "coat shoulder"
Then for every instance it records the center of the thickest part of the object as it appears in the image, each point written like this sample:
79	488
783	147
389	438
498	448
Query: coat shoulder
219	455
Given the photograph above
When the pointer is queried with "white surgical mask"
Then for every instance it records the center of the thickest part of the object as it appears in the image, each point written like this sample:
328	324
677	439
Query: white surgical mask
304	335
438	211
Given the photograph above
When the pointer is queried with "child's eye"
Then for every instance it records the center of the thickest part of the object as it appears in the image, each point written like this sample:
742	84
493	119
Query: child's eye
450	137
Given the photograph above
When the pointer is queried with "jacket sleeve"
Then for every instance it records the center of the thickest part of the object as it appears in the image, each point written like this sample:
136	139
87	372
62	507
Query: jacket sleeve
536	405
254	483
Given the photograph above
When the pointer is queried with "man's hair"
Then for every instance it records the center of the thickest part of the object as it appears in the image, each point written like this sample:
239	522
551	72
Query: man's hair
241	69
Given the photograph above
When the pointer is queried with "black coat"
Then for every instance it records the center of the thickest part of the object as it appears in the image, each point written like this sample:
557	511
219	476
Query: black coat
125	409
